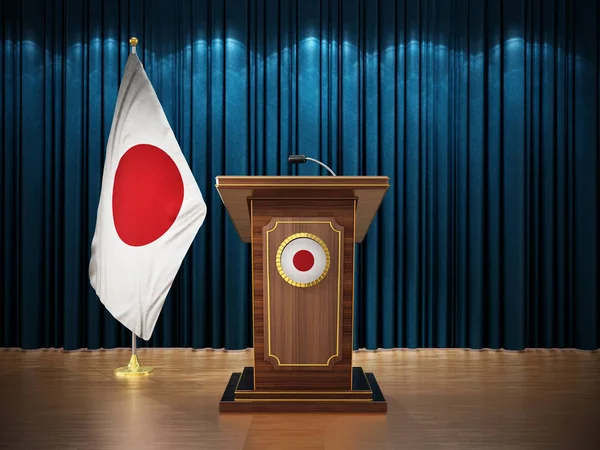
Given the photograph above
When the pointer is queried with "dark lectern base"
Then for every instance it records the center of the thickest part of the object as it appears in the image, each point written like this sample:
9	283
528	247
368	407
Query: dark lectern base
240	396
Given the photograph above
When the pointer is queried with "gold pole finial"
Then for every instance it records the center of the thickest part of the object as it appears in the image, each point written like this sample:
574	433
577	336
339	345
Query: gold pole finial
133	41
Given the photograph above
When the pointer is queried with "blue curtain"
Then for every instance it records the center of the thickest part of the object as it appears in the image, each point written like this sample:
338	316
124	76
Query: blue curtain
484	114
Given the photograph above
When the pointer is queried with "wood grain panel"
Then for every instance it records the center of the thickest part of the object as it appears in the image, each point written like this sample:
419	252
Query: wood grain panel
299	181
302	396
303	324
339	377
437	399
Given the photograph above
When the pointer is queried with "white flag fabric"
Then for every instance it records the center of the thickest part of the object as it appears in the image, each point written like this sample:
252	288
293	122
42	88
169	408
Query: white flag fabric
150	208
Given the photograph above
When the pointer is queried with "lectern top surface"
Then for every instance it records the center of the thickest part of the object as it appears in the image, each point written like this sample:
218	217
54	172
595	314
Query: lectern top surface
236	191
277	181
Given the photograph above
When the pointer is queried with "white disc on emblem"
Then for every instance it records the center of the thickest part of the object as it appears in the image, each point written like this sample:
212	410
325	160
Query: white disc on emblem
303	261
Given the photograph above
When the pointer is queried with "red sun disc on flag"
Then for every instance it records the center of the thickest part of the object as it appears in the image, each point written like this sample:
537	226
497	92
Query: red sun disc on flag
147	195
303	260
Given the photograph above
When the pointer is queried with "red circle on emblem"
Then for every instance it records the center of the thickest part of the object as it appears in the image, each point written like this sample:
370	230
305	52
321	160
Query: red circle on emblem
147	195
303	260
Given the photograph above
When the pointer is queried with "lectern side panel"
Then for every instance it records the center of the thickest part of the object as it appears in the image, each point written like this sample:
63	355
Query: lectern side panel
319	314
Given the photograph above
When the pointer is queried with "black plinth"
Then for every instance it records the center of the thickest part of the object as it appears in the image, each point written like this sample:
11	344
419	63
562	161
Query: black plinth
365	396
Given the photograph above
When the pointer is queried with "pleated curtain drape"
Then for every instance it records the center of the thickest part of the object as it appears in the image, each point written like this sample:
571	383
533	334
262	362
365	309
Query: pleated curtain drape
483	113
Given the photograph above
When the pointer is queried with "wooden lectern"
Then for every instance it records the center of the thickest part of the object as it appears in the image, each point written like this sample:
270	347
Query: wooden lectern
303	232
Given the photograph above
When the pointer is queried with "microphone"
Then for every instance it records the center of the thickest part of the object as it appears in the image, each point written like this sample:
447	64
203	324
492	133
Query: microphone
301	159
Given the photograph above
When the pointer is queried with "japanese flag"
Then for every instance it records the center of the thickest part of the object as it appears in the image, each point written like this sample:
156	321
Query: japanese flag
150	208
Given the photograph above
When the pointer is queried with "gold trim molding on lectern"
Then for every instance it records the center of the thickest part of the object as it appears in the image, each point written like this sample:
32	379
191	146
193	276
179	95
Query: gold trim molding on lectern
278	265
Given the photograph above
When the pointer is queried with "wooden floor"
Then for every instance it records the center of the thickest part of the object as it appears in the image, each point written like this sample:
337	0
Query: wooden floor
437	399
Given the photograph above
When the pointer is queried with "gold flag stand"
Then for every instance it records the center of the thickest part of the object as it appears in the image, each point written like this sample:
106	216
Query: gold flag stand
133	369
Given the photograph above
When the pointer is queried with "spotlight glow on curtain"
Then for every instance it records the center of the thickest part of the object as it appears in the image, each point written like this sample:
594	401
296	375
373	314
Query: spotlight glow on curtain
484	114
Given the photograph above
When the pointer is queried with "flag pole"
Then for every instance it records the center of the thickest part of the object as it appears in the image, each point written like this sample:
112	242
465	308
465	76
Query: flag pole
133	368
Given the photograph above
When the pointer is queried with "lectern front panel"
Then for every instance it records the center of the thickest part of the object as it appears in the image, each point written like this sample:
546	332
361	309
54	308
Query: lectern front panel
302	251
303	281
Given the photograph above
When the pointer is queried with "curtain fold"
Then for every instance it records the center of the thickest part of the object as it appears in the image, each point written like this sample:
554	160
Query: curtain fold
485	115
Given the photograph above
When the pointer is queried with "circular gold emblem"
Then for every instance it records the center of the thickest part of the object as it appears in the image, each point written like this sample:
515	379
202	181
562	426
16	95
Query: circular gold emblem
303	260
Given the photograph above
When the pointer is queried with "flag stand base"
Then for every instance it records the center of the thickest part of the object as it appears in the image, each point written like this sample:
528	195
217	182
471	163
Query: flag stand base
133	369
